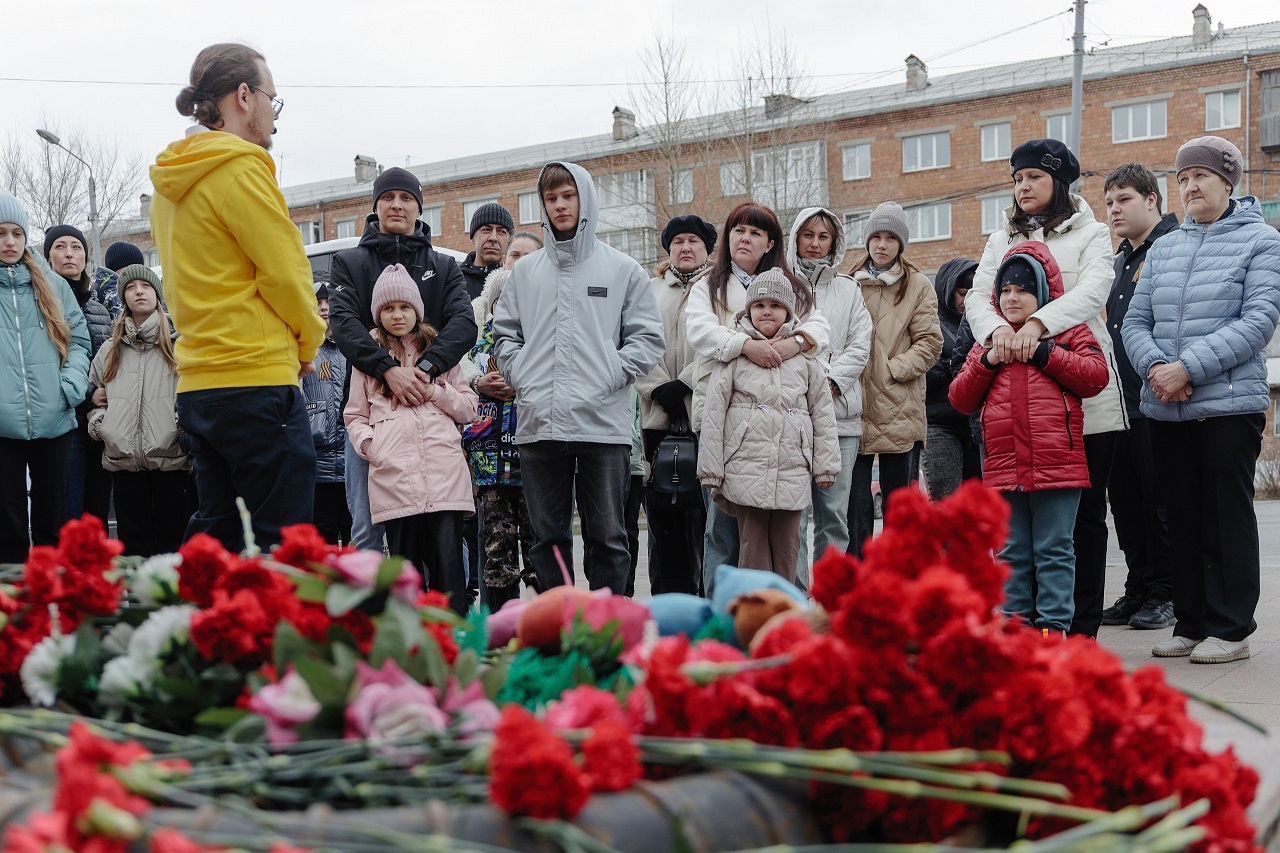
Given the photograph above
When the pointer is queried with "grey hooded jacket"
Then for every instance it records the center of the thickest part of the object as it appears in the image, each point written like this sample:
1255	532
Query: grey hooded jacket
577	324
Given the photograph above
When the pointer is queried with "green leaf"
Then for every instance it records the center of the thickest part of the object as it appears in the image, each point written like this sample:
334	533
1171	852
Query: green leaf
289	645
388	642
494	676
408	618
466	667
388	571
221	718
311	588
250	729
341	599
326	686
179	688
437	671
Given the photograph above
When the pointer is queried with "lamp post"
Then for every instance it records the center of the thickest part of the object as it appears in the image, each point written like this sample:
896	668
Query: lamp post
96	260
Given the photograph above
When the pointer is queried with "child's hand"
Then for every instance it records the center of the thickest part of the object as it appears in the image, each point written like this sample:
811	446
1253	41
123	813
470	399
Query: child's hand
99	398
991	357
761	353
825	482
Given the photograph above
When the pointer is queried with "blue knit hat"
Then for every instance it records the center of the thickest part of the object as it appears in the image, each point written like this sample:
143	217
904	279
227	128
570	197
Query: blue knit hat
11	210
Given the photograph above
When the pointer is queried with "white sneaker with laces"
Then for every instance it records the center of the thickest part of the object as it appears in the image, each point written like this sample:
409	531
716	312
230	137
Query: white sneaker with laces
1175	647
1213	650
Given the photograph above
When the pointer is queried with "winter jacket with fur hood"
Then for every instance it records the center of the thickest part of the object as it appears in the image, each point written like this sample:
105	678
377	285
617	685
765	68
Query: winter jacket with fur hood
679	360
938	408
1081	246
139	426
576	326
905	343
1032	418
1209	296
416	463
768	432
839	299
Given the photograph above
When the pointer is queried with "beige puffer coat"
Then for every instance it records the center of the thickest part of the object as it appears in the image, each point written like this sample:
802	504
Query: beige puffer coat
679	360
139	426
768	433
906	341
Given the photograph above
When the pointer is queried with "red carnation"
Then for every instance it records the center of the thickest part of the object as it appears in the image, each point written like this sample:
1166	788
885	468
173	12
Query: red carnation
732	709
42	576
203	562
301	545
234	629
84	544
834	574
532	771
612	759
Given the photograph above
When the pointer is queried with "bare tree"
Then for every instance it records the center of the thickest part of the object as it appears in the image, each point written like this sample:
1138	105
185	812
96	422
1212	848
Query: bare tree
55	186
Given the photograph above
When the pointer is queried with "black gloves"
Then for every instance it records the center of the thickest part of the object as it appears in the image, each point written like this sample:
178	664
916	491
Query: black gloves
1041	356
670	396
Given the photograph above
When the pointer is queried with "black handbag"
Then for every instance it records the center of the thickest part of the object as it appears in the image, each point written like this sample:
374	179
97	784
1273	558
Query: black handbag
673	473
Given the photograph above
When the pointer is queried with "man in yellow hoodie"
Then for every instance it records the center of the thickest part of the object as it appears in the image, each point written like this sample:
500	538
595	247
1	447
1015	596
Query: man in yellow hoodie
240	293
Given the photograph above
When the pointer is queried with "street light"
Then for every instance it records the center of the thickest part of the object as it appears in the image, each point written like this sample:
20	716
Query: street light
52	138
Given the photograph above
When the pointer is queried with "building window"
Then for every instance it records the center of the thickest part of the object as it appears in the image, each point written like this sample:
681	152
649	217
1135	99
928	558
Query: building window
469	209
530	208
639	243
682	187
1058	127
1163	183
153	257
784	178
993	212
1138	121
310	231
624	188
431	219
855	222
929	222
996	141
857	161
1222	110
733	179
346	228
926	151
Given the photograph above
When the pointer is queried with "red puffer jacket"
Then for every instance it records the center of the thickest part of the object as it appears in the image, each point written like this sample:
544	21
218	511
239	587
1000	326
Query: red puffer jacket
1032	420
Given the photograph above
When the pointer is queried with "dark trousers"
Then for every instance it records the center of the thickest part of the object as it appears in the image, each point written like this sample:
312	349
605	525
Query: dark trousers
506	532
1138	507
1207	469
471	535
601	479
895	473
152	510
331	517
432	542
88	483
252	443
47	460
675	537
1090	535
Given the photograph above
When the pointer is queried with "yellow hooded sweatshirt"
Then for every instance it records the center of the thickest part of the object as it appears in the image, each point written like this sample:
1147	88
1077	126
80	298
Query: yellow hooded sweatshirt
236	278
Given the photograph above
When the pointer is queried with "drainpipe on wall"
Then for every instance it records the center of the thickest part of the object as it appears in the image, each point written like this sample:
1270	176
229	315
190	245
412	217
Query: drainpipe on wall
1248	119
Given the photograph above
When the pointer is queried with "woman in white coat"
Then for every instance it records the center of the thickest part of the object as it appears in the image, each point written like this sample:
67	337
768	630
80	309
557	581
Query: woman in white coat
1045	209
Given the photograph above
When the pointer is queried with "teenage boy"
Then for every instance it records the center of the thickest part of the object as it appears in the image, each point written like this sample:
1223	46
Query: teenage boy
1133	208
577	324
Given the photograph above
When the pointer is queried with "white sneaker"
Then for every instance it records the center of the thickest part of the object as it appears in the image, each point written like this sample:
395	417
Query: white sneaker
1175	647
1213	650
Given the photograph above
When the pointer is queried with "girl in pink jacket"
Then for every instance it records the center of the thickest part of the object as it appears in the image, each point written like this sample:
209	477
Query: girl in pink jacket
419	483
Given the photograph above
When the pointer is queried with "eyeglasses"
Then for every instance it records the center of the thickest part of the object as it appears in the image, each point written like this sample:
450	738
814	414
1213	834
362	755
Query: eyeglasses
277	102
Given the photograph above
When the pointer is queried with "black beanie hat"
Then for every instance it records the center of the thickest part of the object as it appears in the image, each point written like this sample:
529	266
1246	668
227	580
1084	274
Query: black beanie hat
491	213
396	178
689	224
1022	272
120	255
51	236
1048	155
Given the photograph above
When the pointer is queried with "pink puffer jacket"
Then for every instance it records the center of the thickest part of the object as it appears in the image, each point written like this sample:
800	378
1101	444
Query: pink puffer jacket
416	463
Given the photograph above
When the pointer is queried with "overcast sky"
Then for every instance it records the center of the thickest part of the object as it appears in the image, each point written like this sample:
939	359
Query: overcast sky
380	45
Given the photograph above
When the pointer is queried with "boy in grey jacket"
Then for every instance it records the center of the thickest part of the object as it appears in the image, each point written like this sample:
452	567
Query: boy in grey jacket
576	326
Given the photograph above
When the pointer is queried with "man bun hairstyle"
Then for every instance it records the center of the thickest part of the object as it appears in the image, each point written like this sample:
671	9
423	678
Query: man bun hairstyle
218	70
1136	177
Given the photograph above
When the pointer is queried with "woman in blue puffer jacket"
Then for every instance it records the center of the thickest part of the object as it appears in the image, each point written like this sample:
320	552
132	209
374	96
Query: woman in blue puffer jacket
1206	306
44	372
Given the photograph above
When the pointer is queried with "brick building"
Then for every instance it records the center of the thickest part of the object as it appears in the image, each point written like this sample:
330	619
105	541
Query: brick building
939	147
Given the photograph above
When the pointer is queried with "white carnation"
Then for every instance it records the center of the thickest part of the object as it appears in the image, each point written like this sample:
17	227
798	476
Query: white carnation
123	678
162	630
116	642
40	669
156	581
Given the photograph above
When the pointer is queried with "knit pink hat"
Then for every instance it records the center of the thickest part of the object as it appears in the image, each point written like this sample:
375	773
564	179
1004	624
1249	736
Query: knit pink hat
396	285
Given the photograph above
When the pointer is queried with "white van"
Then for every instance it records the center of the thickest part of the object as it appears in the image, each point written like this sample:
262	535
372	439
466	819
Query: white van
321	254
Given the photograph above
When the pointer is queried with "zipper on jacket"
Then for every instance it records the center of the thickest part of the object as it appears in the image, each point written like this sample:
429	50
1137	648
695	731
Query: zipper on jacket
22	354
1182	296
1066	404
140	439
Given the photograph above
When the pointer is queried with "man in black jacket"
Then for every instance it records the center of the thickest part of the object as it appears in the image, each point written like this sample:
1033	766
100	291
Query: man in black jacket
393	235
1133	209
490	231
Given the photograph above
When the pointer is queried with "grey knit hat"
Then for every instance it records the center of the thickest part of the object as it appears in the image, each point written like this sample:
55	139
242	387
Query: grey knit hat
491	213
889	216
773	284
139	272
11	210
1213	153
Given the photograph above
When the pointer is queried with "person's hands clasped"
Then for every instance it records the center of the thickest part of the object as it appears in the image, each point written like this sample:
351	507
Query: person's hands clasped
493	385
788	347
1011	346
1169	382
763	353
410	386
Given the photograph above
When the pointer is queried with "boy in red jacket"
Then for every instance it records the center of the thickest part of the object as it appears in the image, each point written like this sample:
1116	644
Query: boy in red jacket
1033	434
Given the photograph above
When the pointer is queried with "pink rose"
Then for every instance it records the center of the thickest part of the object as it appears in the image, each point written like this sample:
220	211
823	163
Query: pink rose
583	707
407	586
604	607
283	705
358	568
390	674
385	712
477	713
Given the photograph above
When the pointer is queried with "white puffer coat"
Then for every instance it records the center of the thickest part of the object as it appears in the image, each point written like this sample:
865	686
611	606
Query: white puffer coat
1082	248
768	432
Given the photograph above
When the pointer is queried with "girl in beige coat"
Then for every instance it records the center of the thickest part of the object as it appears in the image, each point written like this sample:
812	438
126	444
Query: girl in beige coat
905	342
136	383
767	433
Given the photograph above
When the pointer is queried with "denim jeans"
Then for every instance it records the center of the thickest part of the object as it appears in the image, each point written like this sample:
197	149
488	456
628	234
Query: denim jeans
254	443
364	533
720	543
602	477
830	513
1041	557
88	483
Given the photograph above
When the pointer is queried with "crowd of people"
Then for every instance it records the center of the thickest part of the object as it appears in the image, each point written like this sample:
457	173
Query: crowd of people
456	414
